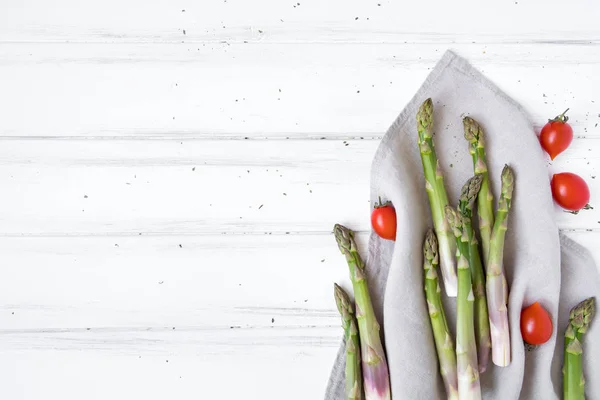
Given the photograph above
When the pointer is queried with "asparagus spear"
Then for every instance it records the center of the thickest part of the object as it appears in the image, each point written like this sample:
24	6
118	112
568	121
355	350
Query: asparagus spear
354	387
438	199
439	324
485	200
496	286
471	191
376	380
469	387
579	320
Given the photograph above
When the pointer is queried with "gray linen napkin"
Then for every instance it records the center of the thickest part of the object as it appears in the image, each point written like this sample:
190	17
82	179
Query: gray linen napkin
541	264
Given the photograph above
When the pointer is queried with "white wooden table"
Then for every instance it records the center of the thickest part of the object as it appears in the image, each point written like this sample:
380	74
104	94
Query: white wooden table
171	172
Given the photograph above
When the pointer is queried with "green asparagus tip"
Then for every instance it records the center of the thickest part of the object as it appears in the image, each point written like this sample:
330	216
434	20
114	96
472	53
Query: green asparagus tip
342	300
425	117
454	220
508	182
430	247
582	314
473	131
344	237
469	192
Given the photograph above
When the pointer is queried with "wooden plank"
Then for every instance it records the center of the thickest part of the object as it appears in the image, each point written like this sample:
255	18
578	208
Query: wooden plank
108	286
256	90
248	286
207	187
309	21
59	288
200	284
153	318
172	365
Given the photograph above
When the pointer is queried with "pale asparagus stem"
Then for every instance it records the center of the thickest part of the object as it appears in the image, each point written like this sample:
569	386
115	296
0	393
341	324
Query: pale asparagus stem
496	285
579	320
354	385
485	200
470	192
376	380
441	333
438	199
469	386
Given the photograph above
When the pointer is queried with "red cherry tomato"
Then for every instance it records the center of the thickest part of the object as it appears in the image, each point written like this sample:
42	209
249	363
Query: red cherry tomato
570	191
536	324
383	220
556	135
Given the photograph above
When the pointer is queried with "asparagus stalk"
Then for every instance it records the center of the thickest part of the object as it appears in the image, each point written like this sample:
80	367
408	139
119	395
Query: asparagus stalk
376	380
496	286
579	320
438	199
469	387
354	387
471	191
437	316
485	200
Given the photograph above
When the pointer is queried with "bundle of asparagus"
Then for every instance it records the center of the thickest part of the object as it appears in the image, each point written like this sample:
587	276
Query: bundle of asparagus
376	381
482	321
481	293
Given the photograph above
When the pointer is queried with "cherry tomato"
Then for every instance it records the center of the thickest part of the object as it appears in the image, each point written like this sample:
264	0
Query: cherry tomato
556	135
570	191
383	220
536	324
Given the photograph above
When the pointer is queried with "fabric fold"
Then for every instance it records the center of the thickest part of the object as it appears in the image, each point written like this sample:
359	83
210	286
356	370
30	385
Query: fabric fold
541	263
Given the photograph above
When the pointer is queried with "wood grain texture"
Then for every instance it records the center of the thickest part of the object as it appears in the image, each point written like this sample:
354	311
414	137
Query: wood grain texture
118	317
337	21
171	173
257	90
198	282
209	187
180	370
112	316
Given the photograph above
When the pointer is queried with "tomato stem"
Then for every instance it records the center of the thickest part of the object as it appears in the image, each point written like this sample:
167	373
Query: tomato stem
586	207
382	204
560	118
